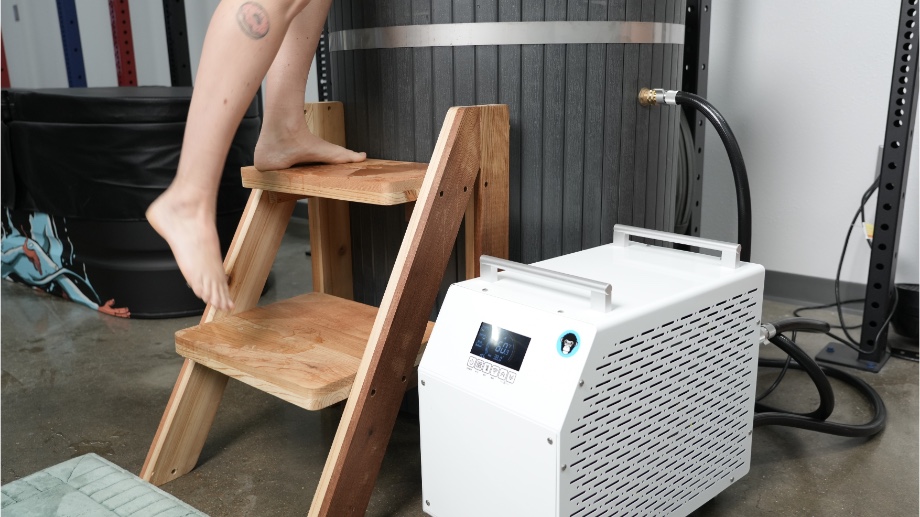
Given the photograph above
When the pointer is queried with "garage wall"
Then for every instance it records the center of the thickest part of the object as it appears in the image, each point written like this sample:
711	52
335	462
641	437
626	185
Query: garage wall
805	88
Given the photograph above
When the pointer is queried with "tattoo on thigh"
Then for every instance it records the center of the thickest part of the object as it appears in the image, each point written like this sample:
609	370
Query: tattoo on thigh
253	19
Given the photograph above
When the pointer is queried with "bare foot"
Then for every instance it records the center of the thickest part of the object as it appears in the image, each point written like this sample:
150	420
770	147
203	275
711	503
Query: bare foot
191	233
280	150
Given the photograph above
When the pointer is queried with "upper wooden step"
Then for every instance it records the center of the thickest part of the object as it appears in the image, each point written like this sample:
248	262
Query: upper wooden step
377	182
305	350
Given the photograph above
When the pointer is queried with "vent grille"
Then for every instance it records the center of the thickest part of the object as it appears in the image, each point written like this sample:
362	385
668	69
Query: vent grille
665	415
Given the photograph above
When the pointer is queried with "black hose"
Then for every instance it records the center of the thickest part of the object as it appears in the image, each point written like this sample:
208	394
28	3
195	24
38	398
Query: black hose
873	427
742	188
766	415
801	324
803	362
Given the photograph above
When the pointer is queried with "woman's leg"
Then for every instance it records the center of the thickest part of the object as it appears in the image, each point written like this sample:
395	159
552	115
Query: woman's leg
242	40
285	139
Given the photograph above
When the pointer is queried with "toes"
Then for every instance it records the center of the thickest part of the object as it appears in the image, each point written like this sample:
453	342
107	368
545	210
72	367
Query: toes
222	295
205	293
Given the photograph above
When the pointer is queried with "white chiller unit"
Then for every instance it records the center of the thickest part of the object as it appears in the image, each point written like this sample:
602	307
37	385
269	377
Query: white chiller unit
618	380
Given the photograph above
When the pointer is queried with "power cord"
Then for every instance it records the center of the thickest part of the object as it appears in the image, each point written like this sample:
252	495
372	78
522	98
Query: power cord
860	213
798	312
779	378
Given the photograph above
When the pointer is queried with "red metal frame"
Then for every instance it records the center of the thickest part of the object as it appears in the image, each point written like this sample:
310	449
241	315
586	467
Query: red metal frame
5	83
124	42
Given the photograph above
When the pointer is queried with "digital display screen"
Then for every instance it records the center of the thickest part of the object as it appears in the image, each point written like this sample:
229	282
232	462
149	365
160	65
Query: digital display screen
500	346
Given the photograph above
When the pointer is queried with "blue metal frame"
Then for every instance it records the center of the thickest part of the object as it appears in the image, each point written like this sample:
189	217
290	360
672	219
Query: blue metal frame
70	38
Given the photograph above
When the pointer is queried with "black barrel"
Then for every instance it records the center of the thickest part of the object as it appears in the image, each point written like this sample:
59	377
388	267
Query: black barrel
584	154
80	168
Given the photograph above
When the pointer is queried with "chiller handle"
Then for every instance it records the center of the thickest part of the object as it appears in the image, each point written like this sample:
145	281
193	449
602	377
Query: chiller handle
599	291
730	253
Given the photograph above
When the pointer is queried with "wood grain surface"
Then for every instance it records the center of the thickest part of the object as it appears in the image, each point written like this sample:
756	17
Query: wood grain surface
305	350
388	362
330	220
377	182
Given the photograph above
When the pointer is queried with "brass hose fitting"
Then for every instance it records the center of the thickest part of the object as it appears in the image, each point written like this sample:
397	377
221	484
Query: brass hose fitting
647	97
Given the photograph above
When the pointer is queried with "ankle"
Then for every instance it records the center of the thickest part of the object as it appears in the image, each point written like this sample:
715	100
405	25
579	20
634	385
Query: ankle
282	128
188	202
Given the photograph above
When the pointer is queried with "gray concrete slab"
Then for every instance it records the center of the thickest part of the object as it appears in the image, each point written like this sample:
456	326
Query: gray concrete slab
75	381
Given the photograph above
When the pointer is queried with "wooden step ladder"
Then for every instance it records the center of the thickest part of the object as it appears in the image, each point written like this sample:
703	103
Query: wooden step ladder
320	348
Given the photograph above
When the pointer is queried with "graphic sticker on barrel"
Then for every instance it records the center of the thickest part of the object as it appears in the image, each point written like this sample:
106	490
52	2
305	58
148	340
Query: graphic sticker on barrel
34	254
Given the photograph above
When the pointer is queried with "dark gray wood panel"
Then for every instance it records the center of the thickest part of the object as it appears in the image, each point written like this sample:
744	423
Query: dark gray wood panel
573	164
531	140
629	120
594	145
509	77
613	127
665	150
654	175
553	136
584	155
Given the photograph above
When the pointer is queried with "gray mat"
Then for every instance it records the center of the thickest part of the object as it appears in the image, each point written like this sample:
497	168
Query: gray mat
88	486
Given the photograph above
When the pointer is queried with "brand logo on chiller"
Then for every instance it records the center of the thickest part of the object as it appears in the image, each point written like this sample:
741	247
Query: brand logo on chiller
568	343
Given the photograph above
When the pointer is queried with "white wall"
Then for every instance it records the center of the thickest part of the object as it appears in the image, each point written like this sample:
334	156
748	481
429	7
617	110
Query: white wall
35	56
804	86
96	38
148	28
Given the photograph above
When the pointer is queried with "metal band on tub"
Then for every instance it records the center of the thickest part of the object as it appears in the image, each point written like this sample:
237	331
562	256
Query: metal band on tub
506	33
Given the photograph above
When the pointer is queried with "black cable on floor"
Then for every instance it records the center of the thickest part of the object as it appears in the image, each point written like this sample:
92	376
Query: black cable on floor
798	312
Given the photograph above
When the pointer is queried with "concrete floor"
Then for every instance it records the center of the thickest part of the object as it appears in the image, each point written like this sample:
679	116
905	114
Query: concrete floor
75	381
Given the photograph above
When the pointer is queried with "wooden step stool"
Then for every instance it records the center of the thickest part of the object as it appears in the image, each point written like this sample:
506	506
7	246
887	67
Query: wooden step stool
317	349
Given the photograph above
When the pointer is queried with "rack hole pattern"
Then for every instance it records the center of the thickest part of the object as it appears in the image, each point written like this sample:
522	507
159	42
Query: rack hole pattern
667	417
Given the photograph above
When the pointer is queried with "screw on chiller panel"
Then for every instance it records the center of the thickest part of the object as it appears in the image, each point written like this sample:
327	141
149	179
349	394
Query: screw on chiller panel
427	502
564	467
581	382
549	441
423	383
732	480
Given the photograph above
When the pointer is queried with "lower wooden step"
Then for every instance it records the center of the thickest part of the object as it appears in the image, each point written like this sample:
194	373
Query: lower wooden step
305	350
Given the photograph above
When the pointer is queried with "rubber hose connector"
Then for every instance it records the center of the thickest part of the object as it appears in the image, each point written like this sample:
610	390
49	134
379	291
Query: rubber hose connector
825	392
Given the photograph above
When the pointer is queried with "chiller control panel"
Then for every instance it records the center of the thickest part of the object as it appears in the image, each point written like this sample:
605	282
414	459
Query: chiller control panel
498	352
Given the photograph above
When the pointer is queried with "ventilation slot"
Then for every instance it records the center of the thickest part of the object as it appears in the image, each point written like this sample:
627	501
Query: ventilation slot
667	415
